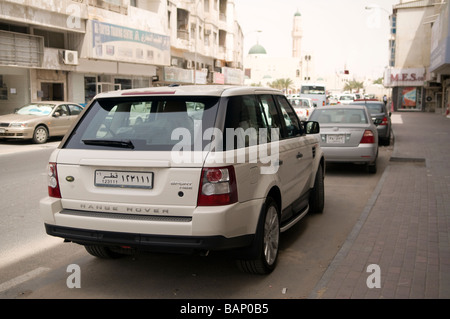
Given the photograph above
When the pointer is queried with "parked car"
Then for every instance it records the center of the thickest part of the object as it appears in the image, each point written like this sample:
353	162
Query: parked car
347	134
332	100
346	98
303	107
381	117
39	121
172	183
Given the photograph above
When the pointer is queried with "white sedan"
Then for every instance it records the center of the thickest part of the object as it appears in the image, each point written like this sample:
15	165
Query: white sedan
303	107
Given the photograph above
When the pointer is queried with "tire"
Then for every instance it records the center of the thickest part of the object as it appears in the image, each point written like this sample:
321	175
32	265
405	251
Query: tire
266	243
101	252
372	168
317	195
40	135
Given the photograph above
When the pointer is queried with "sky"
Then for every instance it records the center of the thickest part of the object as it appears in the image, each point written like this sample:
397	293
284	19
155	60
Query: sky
338	34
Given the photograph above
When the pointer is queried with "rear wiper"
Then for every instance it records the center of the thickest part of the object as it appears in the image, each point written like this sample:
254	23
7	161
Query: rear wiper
114	143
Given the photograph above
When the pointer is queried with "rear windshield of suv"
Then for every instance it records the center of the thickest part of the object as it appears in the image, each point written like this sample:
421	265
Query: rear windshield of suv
144	123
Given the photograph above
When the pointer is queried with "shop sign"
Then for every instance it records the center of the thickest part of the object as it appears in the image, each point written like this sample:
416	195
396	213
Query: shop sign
218	78
404	77
233	76
118	43
174	74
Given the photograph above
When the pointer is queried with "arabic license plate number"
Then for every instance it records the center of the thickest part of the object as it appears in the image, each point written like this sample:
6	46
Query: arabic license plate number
336	139
124	179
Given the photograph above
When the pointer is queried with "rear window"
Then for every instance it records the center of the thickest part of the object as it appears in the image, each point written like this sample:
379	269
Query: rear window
145	123
312	89
354	116
374	107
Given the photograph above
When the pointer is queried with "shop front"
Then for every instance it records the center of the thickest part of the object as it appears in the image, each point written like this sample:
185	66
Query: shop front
407	88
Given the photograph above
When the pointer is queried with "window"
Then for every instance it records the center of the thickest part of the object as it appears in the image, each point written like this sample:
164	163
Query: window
51	39
339	116
291	122
74	109
148	123
246	118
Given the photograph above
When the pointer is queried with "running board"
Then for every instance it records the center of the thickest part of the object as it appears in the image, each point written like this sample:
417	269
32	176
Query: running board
293	221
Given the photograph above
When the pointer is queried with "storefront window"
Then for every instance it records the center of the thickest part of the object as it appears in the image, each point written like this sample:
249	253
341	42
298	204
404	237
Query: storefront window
409	98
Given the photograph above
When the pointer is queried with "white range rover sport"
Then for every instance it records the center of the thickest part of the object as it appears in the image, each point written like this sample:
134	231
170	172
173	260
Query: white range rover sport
185	169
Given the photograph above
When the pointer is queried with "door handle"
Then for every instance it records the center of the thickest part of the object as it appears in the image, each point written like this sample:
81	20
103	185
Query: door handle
299	155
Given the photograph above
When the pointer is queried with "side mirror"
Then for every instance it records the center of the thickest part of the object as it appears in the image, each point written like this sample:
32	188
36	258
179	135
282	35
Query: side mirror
312	127
56	114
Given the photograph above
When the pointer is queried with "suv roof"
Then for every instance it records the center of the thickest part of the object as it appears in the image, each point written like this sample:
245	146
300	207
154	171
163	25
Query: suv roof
187	90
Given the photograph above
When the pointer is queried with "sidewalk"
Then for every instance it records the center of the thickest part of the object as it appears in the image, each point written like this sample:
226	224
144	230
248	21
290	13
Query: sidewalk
405	227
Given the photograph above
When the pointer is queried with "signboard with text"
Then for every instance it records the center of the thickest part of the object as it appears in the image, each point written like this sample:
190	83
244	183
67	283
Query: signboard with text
404	77
118	43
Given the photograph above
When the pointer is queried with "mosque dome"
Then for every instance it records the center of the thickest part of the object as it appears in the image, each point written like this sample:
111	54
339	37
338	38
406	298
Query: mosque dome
297	14
257	49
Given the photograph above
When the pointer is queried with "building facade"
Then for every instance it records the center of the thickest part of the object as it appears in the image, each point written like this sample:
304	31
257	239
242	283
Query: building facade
71	50
413	86
440	58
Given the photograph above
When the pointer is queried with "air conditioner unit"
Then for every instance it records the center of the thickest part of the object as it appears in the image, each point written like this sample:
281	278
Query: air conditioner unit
70	57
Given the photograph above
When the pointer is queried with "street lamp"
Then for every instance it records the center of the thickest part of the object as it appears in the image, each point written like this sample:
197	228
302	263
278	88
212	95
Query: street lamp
307	59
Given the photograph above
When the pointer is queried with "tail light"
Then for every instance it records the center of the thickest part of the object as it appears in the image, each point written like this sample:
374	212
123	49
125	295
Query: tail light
368	137
384	121
53	183
323	103
217	187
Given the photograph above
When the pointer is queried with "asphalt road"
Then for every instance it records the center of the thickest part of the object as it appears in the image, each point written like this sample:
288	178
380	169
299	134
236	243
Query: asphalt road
34	265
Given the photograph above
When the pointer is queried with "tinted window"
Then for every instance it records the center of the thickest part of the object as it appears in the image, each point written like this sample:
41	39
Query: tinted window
290	119
149	123
244	120
74	109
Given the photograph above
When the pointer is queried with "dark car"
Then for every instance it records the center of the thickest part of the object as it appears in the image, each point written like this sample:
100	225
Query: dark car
381	117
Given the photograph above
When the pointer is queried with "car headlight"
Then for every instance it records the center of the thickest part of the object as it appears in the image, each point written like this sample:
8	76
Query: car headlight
18	125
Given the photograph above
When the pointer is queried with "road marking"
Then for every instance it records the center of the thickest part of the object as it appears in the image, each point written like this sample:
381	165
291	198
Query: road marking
21	279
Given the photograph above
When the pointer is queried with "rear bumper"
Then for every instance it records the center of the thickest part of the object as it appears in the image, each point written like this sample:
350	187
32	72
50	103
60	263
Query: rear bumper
364	153
208	228
148	242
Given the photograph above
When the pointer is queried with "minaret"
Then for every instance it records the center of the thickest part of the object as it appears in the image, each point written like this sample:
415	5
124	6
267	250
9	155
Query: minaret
297	34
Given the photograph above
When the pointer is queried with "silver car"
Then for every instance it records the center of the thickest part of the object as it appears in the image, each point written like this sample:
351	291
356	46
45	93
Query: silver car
380	117
40	120
347	134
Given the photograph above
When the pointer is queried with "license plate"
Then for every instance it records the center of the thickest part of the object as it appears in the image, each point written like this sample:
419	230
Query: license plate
336	139
123	179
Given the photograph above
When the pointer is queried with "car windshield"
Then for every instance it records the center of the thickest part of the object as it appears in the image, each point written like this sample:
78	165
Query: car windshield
146	123
343	116
346	98
374	108
312	89
36	109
